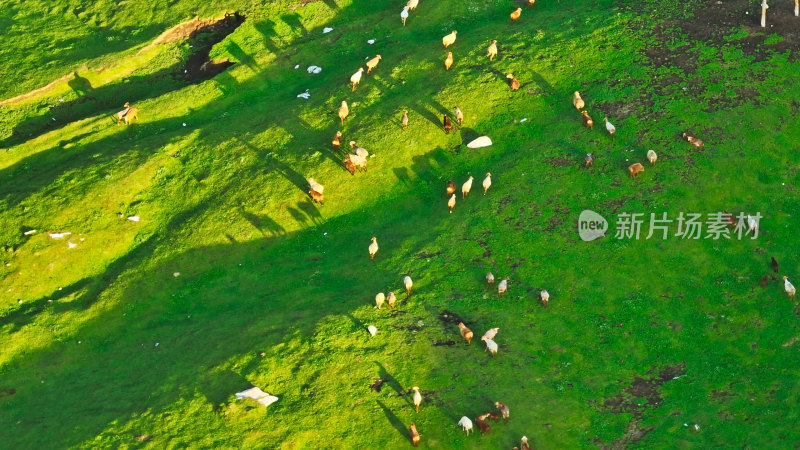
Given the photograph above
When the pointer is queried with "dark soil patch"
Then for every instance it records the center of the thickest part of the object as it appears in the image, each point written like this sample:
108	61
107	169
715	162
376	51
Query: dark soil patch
561	162
438	343
7	392
633	434
199	67
451	318
426	255
377	385
643	392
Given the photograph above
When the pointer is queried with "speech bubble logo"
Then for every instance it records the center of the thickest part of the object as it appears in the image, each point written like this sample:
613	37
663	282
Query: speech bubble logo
591	225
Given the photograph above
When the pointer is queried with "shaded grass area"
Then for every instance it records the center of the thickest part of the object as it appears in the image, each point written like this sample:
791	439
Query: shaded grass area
641	337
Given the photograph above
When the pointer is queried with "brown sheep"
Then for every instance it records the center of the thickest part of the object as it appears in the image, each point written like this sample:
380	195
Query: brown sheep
513	83
466	333
451	187
414	434
316	197
587	120
480	421
635	168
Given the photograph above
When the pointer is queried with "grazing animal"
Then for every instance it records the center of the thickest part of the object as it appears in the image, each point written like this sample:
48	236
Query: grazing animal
408	283
752	223
524	444
417	397
391	299
487	182
404	121
634	169
491	346
764	281
337	141
450	39
355	162
414	434
788	287
513	83
343	111
610	127
128	114
466	333
465	424
731	220
448	125
315	186
587	120
652	157
491	333
492	50
404	15
316	197
448	61
490	278
502	287
360	151
515	15
531	2
577	101
372	330
451	187
356	77
373	63
545	296
412	4
482	425
379	299
693	140
503	409
775	266
349	165
451	203
493	416
459	115
373	248
466	187
588	159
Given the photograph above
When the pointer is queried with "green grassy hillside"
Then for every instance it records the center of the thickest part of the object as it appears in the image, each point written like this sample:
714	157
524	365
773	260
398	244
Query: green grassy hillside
138	334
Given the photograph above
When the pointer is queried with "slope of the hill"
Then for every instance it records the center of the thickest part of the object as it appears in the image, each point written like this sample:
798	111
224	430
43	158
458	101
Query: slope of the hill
128	334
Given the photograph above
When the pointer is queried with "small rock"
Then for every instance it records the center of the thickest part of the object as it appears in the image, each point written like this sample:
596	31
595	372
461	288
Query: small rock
133	218
327	30
371	41
176	274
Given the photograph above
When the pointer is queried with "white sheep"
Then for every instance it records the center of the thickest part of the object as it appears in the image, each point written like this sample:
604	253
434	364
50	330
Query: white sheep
545	296
490	278
491	333
449	39
404	15
356	77
466	187
502	287
491	345
465	424
373	248
408	283
412	4
417	397
372	330
788	286
452	203
379	299
752	224
316	187
652	157
487	182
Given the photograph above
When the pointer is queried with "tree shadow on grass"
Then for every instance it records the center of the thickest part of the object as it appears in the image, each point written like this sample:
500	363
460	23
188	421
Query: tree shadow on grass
395	421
